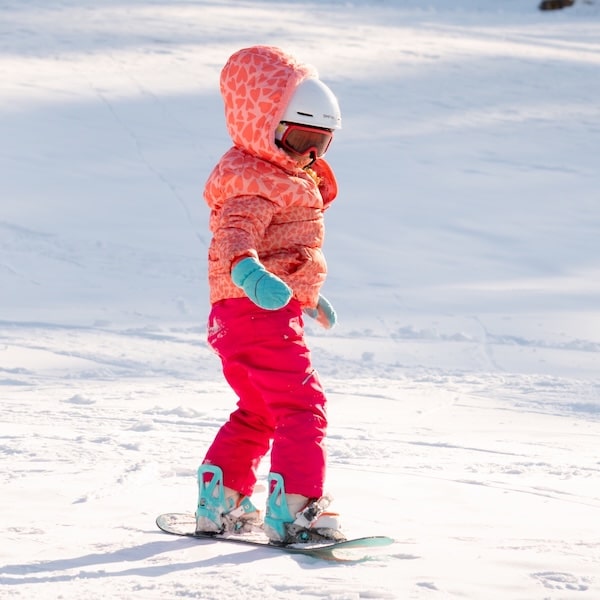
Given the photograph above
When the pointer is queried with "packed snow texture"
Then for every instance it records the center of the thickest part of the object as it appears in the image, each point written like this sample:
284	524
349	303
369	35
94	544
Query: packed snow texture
464	256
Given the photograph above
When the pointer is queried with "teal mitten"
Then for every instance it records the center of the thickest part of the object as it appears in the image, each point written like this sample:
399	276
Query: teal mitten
261	286
324	314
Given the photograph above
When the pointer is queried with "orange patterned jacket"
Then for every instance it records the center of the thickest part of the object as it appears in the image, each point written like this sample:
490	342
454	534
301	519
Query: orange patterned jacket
262	204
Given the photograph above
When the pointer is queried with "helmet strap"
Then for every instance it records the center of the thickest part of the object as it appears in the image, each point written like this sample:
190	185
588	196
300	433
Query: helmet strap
313	158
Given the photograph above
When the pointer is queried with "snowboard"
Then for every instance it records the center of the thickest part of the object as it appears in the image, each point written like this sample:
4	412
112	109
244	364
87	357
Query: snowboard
357	549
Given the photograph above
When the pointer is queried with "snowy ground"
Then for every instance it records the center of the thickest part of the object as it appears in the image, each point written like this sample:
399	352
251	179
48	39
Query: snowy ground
464	257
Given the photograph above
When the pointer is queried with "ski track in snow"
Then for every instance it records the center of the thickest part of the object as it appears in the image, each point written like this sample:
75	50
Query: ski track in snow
463	378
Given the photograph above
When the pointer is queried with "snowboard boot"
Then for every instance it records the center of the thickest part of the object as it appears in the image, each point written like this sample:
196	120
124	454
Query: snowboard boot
221	509
293	518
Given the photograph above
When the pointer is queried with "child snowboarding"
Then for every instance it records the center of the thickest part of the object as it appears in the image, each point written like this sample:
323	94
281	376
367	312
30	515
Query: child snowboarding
267	196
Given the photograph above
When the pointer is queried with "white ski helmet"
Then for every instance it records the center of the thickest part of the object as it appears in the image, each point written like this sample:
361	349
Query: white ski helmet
314	104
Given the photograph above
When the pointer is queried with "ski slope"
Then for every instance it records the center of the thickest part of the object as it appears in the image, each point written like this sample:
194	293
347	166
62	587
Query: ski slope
464	256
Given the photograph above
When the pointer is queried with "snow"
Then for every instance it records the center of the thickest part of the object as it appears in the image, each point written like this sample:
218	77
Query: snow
464	254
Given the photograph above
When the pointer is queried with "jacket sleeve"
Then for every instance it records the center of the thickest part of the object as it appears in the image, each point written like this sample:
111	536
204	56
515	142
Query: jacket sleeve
239	226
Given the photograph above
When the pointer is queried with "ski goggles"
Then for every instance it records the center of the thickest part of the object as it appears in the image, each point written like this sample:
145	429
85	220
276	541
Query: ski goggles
305	140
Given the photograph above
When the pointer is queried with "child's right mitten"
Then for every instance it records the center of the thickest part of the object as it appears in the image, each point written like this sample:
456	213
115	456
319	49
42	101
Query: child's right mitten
261	286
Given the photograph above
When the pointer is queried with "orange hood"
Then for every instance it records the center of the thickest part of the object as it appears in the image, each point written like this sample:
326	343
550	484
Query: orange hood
257	84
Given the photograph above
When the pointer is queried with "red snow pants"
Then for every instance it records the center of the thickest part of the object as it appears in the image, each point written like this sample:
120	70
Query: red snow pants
281	401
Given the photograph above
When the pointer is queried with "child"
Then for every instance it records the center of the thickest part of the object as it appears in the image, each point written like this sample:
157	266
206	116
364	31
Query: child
267	196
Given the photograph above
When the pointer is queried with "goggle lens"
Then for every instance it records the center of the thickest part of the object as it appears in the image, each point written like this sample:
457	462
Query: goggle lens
304	141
